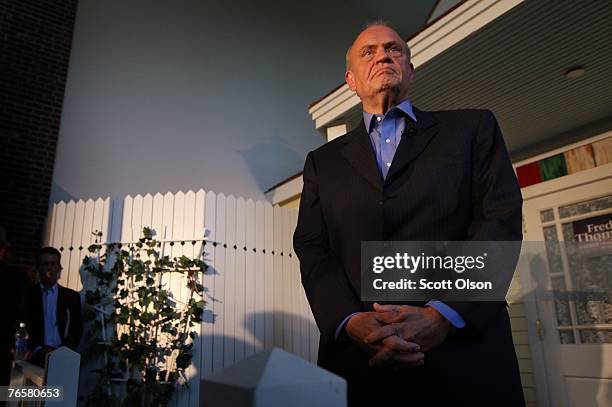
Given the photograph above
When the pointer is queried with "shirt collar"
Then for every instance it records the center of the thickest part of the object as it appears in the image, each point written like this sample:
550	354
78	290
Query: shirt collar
52	289
405	106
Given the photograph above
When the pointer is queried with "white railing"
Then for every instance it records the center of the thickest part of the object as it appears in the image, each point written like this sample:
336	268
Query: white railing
61	370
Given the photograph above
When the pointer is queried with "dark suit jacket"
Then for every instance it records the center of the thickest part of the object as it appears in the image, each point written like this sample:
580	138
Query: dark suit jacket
450	179
69	317
12	289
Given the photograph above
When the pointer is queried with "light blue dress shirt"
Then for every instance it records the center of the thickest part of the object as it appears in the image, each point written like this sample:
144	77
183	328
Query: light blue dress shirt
49	300
386	132
385	135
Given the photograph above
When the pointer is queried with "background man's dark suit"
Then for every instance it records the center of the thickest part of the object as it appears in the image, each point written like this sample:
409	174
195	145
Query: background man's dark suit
69	318
450	179
12	288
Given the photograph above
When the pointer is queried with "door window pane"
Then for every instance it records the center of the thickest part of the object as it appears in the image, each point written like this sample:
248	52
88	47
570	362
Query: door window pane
595	336
553	253
584	261
562	307
605	202
547	216
589	273
566	337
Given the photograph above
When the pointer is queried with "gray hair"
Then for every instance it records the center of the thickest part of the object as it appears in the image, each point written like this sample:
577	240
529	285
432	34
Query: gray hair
373	23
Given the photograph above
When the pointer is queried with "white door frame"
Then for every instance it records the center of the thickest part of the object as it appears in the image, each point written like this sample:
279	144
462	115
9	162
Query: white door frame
531	312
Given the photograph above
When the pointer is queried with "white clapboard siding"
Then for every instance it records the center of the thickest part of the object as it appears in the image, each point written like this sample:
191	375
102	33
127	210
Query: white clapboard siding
254	297
289	314
240	280
269	278
71	231
277	280
166	231
230	300
198	233
157	216
78	230
183	233
136	227
126	224
147	211
250	339
259	277
219	285
115	221
99	223
66	244
210	214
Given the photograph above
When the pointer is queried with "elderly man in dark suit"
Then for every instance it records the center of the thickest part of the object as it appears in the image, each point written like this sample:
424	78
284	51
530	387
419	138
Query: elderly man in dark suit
53	313
407	175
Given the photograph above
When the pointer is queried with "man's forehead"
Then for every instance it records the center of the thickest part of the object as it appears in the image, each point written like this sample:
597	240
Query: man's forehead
377	34
48	258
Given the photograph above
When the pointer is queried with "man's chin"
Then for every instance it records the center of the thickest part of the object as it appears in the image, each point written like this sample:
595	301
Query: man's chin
388	87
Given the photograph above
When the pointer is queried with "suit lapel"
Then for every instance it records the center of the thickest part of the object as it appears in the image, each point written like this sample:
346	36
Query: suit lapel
38	307
414	140
359	153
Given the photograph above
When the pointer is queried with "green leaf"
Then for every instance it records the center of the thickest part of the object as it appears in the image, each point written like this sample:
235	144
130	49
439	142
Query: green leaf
147	233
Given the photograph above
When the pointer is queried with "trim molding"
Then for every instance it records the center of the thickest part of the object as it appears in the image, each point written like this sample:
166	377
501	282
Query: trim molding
450	29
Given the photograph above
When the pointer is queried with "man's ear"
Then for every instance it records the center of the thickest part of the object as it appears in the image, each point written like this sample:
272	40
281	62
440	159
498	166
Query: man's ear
350	80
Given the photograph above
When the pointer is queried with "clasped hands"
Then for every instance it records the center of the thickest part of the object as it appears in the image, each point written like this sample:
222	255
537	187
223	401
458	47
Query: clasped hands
398	335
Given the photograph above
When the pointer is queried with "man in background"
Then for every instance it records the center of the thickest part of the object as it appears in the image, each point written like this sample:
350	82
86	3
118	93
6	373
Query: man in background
53	313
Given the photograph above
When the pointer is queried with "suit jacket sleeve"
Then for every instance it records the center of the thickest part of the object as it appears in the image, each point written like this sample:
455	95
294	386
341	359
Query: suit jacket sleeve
497	206
327	287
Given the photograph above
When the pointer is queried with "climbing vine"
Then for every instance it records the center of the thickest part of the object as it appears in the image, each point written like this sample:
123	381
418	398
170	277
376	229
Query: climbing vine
140	332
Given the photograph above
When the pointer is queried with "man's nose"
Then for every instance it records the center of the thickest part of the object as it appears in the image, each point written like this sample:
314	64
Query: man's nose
382	55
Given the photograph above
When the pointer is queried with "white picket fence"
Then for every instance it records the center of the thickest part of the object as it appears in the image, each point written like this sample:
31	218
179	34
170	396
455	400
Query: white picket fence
254	297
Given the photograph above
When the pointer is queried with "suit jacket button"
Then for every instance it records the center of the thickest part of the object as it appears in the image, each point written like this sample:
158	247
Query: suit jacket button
380	202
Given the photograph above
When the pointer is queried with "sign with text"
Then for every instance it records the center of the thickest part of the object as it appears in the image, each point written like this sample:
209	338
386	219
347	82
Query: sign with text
444	271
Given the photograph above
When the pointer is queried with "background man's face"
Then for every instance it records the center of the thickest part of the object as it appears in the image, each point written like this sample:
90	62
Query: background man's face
49	269
5	250
378	63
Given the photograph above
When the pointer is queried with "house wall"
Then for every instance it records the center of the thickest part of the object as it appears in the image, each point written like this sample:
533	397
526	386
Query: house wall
191	94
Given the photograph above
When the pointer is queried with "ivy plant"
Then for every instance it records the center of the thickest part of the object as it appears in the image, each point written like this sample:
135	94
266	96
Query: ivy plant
141	334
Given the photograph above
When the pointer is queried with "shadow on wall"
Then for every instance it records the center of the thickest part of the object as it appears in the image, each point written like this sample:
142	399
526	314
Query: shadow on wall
550	300
267	159
298	325
60	194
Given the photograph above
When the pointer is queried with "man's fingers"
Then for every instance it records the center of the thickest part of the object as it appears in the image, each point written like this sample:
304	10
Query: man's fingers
381	333
390	317
412	359
386	356
400	345
385	308
382	357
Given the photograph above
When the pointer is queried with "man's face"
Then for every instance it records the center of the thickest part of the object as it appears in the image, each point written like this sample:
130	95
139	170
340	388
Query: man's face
378	62
32	274
5	250
49	269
